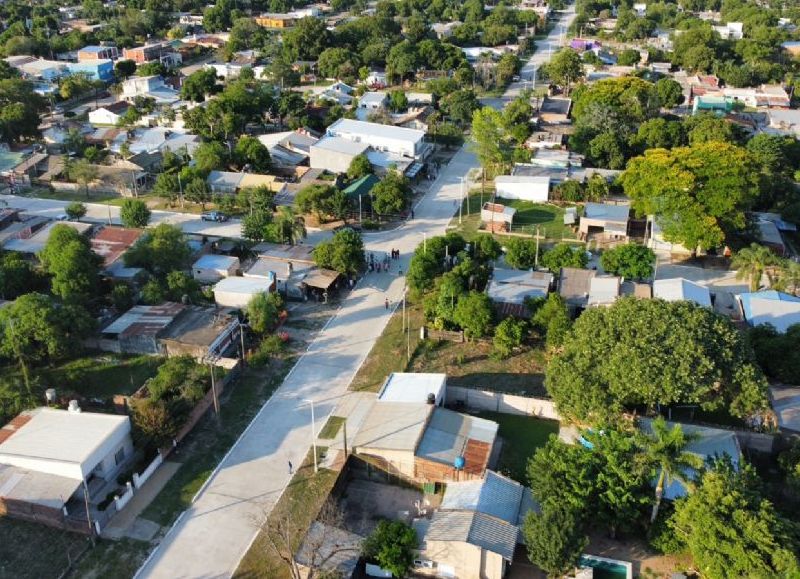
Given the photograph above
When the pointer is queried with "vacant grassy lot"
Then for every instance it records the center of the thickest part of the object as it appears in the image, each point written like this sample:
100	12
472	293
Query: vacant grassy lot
30	550
390	352
472	365
294	512
521	435
112	560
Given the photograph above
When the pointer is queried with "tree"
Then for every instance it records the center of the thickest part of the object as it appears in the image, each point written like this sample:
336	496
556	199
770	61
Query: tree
75	86
306	40
289	227
628	57
474	314
555	539
125	68
651	352
460	105
770	348
732	531
667	449
74	268
565	68
17	276
564	255
398	101
752	262
134	213
198	85
698	194
401	60
359	167
344	252
182	287
508	65
160	250
520	253
322	201
83	173
630	261
20	108
339	63
210	156
251	153
551	317
263	311
255	225
707	127
490	140
508	335
670	92
36	329
391	194
75	210
659	133
391	545
153	422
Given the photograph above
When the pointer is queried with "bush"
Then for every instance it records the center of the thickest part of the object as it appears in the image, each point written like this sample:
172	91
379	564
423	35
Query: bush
391	546
564	255
269	348
75	210
134	213
521	253
264	311
507	336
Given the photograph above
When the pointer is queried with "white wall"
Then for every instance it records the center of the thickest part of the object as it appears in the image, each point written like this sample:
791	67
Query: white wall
535	192
334	161
103	117
232	299
501	402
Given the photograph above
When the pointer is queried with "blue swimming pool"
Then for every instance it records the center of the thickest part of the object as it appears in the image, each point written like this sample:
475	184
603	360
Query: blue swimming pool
605	568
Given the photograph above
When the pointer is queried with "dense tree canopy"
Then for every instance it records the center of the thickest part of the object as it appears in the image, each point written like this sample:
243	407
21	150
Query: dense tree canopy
160	250
630	261
344	252
650	352
74	268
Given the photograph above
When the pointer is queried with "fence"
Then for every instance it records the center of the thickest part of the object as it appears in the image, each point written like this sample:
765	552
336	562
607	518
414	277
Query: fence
125	498
501	402
140	479
447	335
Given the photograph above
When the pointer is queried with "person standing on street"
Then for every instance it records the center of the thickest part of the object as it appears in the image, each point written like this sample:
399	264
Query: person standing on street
291	468
386	303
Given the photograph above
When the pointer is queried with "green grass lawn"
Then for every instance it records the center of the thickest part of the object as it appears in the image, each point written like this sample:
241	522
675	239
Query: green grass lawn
521	435
31	550
332	427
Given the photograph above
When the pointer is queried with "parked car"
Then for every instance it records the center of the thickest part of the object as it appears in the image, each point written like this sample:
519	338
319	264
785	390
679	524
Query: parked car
217	216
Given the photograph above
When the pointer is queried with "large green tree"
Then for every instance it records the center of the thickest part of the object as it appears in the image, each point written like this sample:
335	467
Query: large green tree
555	539
391	545
20	108
564	255
630	261
565	68
134	213
74	268
160	250
651	352
392	194
698	194
344	252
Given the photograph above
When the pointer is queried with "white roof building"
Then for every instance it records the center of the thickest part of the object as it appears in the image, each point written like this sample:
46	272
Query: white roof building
535	188
236	292
210	268
680	289
386	138
604	290
413	387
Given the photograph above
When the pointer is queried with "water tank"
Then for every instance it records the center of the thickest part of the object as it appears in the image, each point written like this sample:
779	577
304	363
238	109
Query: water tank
459	463
73	406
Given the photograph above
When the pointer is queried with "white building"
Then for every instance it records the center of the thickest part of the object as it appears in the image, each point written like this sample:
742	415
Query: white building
212	268
236	292
151	87
109	114
395	140
640	8
731	31
680	289
414	387
376	78
335	153
373	101
535	189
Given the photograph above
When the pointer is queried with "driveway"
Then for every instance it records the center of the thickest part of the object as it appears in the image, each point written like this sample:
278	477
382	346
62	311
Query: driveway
212	536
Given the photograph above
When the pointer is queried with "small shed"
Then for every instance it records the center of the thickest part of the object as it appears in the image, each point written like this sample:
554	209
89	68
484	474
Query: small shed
607	220
236	292
574	285
497	217
212	268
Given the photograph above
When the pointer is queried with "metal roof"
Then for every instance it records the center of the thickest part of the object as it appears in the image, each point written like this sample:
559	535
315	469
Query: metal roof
216	262
678	289
536	279
476	529
771	307
340	145
244	285
353	127
393	426
48	490
321	278
145	319
512	293
607	212
111	242
786	404
603	290
451	434
495	495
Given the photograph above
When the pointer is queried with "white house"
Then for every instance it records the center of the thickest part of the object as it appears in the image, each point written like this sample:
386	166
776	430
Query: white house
236	292
535	189
212	268
151	87
731	31
376	78
680	289
771	307
395	140
373	101
109	114
606	219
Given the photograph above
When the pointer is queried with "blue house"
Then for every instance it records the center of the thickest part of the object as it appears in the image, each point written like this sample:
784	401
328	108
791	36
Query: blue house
95	69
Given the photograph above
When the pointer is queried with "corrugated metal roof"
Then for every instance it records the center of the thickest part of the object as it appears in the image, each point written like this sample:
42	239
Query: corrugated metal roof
476	529
495	495
145	319
607	212
449	434
244	285
216	262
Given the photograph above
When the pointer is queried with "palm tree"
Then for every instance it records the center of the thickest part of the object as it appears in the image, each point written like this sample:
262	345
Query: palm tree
291	226
666	447
751	263
788	277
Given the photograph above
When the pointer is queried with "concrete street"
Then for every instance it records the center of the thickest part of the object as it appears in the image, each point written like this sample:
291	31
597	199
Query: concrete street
544	50
213	535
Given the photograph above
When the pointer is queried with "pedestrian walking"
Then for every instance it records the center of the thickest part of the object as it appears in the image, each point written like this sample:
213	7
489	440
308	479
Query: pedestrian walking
386	303
412	214
291	468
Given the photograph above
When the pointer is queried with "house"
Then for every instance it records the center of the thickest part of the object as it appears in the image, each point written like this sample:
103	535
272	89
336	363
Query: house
32	244
707	444
603	290
55	465
236	292
606	220
162	139
475	531
785	121
335	153
730	31
680	289
376	79
111	243
583	44
212	268
152	87
555	159
765	95
554	111
372	101
288	265
423	442
712	103
102	70
574	285
444	30
534	189
394	140
770	307
289	148
171	329
509	288
230	182
109	114
496	217
276	21
158	52
38	68
414	387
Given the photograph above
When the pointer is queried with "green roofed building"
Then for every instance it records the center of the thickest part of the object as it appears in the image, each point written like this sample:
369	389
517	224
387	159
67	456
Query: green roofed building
719	105
361	186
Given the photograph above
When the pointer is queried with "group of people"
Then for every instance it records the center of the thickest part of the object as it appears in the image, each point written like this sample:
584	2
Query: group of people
377	264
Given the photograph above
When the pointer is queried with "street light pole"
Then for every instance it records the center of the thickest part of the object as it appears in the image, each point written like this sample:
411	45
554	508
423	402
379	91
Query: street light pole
313	434
461	206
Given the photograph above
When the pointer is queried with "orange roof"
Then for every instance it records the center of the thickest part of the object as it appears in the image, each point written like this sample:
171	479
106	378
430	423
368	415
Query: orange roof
111	242
13	426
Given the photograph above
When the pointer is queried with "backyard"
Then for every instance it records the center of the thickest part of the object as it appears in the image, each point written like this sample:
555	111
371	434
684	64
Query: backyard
521	435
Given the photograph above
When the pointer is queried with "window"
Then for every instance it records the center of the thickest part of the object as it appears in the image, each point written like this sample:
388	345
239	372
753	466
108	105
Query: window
119	456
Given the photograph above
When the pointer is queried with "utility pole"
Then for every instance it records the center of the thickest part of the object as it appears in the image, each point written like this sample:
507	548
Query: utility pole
461	206
88	512
214	389
536	257
313	434
180	189
241	337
